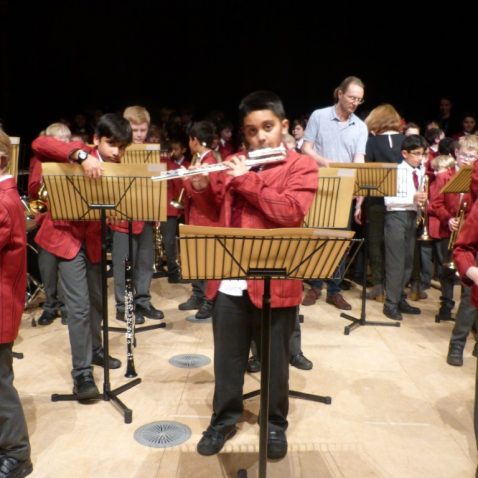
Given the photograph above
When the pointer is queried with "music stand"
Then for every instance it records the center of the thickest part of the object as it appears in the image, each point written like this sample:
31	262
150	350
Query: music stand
373	180
12	167
124	192
461	181
231	253
147	153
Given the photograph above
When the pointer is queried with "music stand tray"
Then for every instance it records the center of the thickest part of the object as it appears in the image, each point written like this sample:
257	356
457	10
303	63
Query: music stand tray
460	182
124	192
262	254
373	180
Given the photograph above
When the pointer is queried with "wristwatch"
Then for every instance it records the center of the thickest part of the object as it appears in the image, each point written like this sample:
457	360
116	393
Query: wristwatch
81	156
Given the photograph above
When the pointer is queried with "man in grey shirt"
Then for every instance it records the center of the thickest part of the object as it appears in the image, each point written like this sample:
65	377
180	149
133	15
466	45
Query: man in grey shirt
336	135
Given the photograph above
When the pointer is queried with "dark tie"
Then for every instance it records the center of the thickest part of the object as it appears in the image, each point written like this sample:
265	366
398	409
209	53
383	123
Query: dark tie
415	179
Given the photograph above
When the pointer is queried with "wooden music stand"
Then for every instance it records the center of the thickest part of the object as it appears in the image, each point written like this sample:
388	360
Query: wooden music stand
373	180
461	181
148	153
262	254
124	192
331	205
13	163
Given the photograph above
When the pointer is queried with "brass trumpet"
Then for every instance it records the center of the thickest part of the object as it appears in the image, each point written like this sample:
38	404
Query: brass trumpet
422	216
454	234
178	202
36	206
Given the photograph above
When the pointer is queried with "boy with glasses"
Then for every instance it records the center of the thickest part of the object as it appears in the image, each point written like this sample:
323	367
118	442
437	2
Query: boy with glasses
401	225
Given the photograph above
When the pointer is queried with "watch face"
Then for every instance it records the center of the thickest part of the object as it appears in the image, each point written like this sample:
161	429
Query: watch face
82	155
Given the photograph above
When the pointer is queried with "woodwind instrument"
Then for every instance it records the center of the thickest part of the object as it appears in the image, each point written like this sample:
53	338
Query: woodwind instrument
422	217
254	158
454	234
130	320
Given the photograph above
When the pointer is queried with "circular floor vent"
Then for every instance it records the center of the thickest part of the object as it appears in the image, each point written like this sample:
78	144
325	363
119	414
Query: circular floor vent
162	434
189	360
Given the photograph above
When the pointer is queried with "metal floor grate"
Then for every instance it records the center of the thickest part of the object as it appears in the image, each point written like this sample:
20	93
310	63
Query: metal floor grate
162	434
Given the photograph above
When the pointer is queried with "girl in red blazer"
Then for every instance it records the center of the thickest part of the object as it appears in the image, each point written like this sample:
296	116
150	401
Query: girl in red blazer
278	196
14	442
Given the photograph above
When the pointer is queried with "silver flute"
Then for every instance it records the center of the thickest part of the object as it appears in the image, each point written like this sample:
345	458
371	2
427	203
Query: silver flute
254	158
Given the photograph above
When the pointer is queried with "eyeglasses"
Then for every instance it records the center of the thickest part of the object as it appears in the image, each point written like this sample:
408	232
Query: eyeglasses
471	157
355	99
418	153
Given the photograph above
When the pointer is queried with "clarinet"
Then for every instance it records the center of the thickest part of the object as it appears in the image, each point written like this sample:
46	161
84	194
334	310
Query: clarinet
128	302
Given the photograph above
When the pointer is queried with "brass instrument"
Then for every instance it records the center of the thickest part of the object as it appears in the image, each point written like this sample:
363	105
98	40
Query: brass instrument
422	216
454	234
36	206
178	202
254	158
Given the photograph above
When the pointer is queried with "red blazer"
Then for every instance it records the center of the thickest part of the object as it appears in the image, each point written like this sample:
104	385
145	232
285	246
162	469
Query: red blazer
445	206
65	238
34	178
278	196
466	249
13	261
225	149
194	214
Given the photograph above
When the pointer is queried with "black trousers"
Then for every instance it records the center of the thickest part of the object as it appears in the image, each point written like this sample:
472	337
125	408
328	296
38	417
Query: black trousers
14	440
235	321
168	231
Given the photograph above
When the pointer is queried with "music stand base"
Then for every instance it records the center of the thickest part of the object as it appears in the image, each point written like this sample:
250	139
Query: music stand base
295	394
162	325
360	322
106	396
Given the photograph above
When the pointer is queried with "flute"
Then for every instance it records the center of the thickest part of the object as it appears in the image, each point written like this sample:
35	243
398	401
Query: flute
254	158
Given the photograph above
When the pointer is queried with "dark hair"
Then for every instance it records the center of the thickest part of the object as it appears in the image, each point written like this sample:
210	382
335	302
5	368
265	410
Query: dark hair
447	146
204	131
179	138
261	100
114	127
432	134
414	141
299	122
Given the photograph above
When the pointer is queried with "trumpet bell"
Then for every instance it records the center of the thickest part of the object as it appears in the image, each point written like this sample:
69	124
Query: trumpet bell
175	203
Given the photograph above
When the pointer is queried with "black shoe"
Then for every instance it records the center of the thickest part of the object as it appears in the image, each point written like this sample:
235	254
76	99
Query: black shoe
276	444
139	319
443	314
64	316
191	304
205	311
475	350
150	312
405	308
99	359
455	354
12	468
176	279
392	312
46	318
301	362
212	441
253	365
84	387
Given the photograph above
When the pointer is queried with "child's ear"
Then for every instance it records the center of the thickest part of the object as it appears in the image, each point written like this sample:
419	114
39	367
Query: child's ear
285	126
96	140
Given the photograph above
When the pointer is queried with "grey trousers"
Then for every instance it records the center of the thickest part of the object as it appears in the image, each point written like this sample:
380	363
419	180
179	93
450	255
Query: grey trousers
465	318
48	265
400	231
14	440
81	285
143	256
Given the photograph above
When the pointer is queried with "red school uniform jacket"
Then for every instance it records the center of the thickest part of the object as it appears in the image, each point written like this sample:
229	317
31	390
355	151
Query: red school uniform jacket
278	196
13	268
445	206
65	238
466	249
194	214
